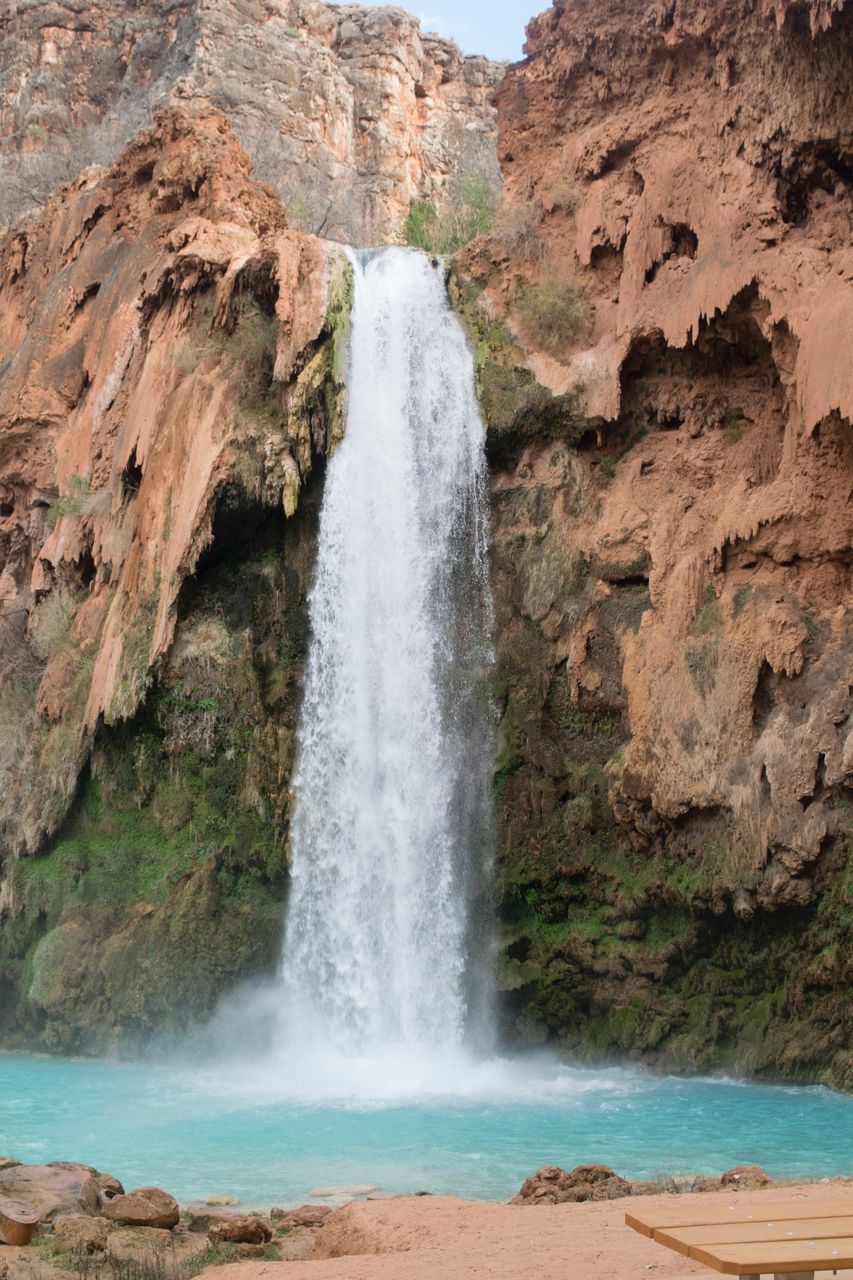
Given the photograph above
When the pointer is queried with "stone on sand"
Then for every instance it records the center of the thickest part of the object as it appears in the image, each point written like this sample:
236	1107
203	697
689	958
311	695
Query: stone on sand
144	1207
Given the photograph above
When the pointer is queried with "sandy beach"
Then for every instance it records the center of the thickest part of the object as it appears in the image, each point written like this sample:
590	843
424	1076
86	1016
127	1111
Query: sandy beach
439	1238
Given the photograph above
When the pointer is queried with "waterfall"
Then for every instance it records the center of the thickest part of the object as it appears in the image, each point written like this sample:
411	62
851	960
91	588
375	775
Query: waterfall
390	827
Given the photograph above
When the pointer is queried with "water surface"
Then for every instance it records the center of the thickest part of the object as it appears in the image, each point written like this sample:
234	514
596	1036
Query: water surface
226	1130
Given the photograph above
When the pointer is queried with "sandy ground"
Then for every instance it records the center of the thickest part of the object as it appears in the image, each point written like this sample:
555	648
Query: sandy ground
438	1238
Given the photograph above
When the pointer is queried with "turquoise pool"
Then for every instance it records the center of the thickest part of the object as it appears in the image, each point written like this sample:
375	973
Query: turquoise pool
201	1131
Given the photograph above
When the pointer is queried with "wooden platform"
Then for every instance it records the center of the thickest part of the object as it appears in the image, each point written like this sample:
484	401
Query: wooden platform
676	1215
790	1238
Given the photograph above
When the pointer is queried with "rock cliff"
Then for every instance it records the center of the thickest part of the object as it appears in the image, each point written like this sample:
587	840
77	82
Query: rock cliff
168	385
662	319
351	113
673	529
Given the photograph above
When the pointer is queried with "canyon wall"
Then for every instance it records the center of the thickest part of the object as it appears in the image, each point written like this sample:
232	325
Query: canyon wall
661	318
350	113
673	531
169	386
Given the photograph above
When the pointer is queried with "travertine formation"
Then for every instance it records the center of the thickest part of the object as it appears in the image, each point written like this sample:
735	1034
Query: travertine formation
674	565
160	328
351	113
672	501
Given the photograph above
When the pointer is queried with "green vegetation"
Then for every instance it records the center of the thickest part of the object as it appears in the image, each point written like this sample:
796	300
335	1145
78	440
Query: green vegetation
702	665
742	595
517	231
708	616
164	885
654	945
246	347
733	424
606	469
51	619
151	1264
564	192
299	213
447	232
516	408
554	313
79	499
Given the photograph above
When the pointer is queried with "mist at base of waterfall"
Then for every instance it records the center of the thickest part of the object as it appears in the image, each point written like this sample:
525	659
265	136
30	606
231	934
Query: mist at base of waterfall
471	1129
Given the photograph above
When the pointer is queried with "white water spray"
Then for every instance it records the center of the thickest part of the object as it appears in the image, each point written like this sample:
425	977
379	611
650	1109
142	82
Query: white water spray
391	816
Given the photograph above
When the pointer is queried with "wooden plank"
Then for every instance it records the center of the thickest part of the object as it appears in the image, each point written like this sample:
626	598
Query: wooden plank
682	1238
819	1275
789	1255
647	1221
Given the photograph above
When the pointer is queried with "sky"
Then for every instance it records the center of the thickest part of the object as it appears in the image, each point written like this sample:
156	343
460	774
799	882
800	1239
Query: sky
492	27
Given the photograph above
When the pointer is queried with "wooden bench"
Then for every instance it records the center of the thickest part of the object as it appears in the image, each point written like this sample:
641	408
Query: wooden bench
791	1240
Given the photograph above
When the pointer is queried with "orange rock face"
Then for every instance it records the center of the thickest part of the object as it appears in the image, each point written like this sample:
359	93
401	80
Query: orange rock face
350	112
154	323
674	568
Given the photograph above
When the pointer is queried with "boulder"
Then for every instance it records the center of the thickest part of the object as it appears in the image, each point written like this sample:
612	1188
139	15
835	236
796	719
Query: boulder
201	1219
307	1215
53	1189
18	1222
553	1185
133	1243
144	1207
245	1228
746	1175
110	1186
80	1233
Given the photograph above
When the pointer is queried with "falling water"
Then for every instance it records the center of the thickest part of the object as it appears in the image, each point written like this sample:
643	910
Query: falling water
390	825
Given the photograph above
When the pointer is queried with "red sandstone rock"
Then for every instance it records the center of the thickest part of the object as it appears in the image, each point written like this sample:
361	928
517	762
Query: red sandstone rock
110	1186
100	294
134	1243
701	210
145	1207
746	1175
552	1185
248	1229
81	1234
306	1215
53	1189
351	113
297	1246
202	1218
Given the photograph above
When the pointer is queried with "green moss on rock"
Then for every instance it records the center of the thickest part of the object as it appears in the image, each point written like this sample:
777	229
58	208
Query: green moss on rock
166	883
516	408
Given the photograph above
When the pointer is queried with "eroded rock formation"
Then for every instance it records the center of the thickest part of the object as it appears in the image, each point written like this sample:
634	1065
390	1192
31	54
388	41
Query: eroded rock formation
673	530
168	383
662	320
351	113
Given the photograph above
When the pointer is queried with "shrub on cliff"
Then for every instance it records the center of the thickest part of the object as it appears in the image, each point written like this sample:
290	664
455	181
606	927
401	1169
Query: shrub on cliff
554	312
517	231
473	216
